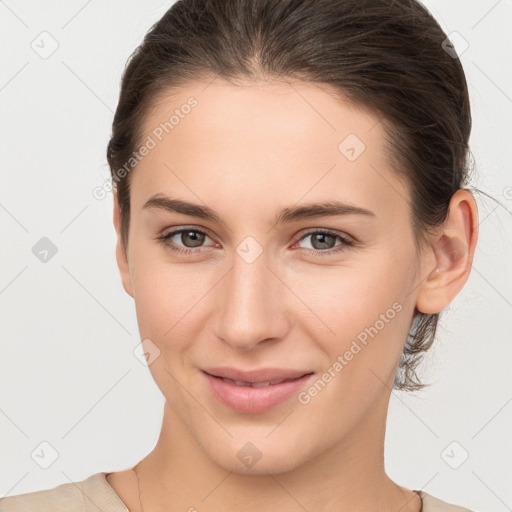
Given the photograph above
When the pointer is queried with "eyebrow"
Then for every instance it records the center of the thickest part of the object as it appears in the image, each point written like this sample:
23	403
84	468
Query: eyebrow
287	215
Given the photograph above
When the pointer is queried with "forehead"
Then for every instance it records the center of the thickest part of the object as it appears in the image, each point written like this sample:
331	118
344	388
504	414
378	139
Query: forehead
274	139
257	112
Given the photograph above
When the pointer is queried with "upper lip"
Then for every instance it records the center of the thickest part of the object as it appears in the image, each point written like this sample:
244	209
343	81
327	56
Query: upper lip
257	375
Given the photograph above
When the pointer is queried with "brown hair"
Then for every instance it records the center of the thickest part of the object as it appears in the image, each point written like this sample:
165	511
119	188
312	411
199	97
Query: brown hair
389	57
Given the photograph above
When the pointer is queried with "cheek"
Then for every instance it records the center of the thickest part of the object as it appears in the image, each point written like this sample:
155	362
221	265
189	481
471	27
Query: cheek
168	308
370	326
365	310
169	299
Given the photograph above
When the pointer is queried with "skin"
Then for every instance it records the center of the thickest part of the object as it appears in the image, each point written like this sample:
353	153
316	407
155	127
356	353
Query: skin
246	152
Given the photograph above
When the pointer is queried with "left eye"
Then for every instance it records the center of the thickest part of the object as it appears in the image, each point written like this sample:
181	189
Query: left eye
322	241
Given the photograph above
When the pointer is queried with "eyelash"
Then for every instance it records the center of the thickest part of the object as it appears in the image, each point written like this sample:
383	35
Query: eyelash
346	242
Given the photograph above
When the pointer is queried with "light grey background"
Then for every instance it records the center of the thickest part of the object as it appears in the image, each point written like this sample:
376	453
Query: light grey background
68	375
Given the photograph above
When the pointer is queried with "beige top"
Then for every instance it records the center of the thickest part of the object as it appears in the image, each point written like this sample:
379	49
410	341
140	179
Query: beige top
95	494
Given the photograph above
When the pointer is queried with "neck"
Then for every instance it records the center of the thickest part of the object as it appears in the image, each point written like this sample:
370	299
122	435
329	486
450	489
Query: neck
178	475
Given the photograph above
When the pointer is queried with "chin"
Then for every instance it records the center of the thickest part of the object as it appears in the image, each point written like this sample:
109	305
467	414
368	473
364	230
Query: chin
256	455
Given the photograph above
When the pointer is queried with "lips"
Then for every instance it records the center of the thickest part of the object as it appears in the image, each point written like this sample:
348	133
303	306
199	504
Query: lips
254	384
254	391
256	376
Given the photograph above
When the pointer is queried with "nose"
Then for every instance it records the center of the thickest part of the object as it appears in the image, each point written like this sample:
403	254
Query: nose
253	305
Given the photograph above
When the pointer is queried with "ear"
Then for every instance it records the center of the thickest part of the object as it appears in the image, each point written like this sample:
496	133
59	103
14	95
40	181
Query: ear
121	256
450	255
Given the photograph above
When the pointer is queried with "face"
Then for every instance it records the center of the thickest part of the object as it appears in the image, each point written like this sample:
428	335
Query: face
267	287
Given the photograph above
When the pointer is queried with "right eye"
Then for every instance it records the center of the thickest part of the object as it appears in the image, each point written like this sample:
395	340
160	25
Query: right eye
193	236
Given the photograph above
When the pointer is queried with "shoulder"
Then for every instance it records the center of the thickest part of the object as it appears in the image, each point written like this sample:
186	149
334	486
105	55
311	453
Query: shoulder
92	494
433	504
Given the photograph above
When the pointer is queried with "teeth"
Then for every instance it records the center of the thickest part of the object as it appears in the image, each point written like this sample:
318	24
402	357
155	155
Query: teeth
260	384
239	383
253	384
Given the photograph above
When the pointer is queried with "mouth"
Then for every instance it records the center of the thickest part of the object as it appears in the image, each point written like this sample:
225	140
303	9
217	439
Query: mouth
254	391
254	384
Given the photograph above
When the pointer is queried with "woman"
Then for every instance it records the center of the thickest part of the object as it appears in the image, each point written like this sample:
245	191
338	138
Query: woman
292	215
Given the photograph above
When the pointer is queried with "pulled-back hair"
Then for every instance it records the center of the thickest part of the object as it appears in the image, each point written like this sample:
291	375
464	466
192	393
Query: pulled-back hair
391	57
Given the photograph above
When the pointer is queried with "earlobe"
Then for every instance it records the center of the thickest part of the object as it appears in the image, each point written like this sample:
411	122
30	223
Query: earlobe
121	256
453	248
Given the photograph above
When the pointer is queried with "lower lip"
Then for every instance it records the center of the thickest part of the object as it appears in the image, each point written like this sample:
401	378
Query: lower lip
254	400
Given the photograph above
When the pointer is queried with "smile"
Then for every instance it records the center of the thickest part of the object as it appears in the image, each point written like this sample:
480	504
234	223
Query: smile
253	396
255	384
